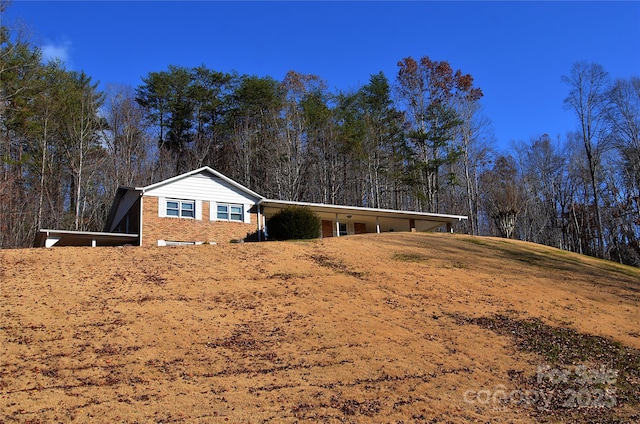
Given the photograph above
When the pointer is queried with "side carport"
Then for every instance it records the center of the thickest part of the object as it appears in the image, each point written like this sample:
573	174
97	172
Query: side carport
50	238
340	220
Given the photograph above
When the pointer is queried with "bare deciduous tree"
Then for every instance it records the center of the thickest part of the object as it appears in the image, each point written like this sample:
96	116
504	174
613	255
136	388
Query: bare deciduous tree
588	85
502	196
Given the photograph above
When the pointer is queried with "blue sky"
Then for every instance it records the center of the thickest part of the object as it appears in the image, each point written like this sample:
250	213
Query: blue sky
516	51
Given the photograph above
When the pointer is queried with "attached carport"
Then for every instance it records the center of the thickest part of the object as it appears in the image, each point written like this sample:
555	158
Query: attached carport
50	238
345	220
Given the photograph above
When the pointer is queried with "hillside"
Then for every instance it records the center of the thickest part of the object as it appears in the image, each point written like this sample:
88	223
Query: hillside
374	328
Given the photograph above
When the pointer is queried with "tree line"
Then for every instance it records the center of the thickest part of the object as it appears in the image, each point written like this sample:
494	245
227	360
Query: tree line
416	142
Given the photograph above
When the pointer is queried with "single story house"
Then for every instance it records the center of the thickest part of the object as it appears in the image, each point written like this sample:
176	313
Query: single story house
204	206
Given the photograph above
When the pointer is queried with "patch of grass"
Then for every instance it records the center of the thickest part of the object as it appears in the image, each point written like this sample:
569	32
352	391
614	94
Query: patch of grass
627	270
286	276
614	368
337	266
453	265
475	240
409	257
526	256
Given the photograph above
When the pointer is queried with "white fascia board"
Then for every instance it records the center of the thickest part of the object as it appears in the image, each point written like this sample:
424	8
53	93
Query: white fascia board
53	233
364	211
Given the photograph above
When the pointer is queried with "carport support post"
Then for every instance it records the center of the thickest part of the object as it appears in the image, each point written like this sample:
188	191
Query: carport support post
337	226
265	230
259	224
377	225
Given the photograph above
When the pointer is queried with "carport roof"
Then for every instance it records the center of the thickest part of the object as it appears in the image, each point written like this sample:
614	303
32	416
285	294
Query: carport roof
50	238
358	210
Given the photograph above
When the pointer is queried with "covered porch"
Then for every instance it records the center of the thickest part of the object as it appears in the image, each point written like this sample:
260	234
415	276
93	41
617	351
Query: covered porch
340	221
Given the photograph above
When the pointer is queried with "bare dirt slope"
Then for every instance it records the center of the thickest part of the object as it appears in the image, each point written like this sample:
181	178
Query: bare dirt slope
374	328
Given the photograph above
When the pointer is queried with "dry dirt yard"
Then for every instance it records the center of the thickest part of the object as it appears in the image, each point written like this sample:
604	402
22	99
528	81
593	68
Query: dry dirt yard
388	328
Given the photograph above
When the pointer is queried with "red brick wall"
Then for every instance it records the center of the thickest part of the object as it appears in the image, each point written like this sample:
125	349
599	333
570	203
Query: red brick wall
327	228
155	228
359	228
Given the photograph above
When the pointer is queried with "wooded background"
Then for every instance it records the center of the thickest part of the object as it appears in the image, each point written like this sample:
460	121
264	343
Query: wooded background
416	142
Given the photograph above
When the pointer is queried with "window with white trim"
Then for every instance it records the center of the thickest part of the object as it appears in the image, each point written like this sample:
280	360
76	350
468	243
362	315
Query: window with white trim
229	212
181	208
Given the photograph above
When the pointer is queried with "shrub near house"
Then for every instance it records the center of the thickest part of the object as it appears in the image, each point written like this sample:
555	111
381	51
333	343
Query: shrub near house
294	223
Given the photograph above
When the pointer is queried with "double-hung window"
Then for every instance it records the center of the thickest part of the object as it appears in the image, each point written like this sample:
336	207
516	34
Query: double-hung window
229	212
181	208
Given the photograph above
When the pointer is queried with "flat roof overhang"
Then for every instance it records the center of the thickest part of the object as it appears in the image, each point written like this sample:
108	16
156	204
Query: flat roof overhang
386	219
50	238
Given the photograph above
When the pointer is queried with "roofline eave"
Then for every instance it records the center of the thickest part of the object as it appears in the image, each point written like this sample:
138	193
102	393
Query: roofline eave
365	211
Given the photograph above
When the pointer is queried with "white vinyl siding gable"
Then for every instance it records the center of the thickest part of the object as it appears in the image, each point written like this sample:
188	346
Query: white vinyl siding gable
203	186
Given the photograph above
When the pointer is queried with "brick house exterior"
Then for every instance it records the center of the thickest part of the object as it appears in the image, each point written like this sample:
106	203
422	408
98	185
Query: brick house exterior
179	230
201	206
204	206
